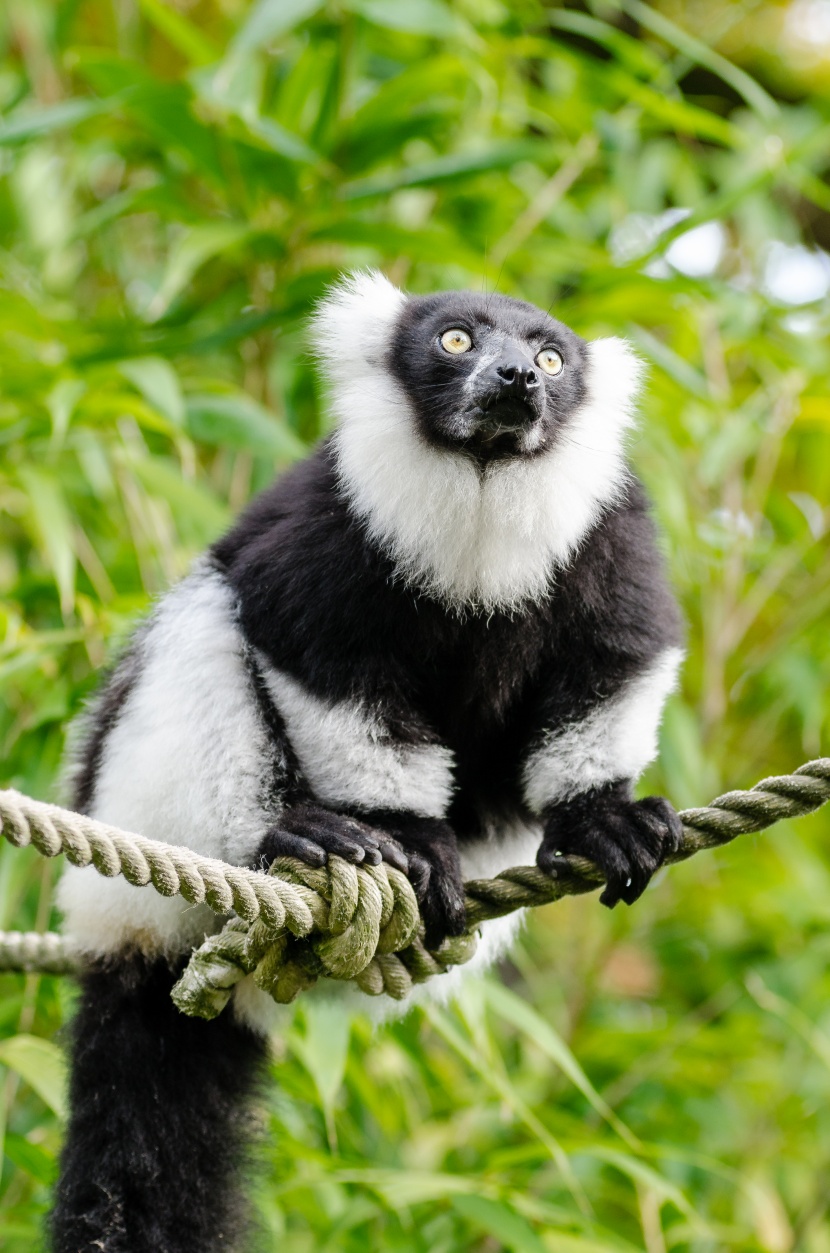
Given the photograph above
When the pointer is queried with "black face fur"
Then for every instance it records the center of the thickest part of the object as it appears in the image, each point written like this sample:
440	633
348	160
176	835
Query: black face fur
494	400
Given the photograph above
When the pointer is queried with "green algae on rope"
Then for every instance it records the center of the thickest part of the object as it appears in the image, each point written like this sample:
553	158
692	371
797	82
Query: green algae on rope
299	923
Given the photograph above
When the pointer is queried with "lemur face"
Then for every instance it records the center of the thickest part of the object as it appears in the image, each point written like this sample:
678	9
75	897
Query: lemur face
488	376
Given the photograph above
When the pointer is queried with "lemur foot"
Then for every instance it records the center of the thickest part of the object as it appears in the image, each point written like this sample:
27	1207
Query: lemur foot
627	839
311	833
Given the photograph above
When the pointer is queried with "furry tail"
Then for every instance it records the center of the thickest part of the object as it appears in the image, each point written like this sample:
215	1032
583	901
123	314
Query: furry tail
160	1120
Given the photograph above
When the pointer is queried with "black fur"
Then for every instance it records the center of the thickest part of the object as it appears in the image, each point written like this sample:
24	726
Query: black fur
284	783
486	685
160	1120
101	718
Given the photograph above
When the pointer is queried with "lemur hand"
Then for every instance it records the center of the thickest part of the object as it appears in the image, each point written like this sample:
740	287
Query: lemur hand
627	839
311	832
424	849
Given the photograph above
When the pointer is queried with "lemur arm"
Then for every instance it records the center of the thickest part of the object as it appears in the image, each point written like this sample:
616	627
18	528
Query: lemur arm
376	783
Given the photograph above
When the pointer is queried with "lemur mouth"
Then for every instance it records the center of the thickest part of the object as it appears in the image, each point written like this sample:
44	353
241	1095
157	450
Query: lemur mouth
499	430
508	416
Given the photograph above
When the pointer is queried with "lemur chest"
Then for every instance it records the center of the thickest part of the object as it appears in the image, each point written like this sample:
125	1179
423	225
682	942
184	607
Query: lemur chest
481	697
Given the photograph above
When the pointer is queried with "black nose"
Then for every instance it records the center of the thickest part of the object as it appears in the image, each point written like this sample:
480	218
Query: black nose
518	379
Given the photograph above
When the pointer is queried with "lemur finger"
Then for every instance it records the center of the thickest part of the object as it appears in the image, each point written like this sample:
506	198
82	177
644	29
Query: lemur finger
667	815
279	843
335	833
443	912
420	872
622	883
393	853
548	856
312	819
645	835
642	836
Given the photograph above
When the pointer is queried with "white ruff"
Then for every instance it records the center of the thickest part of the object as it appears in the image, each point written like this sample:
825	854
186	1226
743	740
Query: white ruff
350	758
185	763
617	740
491	539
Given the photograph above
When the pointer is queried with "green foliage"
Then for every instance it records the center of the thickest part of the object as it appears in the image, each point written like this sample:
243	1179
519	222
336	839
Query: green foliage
179	180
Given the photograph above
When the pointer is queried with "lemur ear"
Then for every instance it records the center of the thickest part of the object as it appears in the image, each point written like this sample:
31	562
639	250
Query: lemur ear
616	377
352	327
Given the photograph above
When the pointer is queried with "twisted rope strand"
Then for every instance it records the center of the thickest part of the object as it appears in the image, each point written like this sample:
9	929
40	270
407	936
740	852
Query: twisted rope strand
36	952
298	923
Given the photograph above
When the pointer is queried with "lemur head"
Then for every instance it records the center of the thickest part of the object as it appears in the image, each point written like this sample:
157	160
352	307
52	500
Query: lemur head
487	376
477	438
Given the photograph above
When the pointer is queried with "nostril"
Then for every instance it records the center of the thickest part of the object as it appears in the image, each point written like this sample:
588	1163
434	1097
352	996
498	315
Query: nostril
518	377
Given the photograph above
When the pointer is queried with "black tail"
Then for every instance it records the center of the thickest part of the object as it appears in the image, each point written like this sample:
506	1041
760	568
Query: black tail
160	1121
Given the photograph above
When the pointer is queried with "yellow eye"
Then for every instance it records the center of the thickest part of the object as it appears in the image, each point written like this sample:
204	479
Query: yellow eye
550	361
456	341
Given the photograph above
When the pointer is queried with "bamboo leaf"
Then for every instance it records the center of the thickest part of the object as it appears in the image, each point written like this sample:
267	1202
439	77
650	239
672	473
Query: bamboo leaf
402	1188
444	170
158	383
28	124
500	1221
417	17
268	20
324	1047
184	35
516	1011
53	526
238	421
41	1064
199	245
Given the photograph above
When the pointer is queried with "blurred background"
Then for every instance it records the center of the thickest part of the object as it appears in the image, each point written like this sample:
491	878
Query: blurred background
179	180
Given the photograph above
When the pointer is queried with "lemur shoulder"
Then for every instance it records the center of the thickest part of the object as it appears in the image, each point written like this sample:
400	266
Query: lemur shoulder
445	639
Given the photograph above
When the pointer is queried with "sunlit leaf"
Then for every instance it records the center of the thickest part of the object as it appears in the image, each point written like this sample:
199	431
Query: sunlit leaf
31	123
183	34
158	383
323	1047
500	1221
268	20
516	1011
53	524
239	422
41	1064
418	17
401	1188
189	254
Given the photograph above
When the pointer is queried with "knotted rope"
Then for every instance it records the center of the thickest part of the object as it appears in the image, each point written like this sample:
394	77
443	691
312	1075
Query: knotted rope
298	923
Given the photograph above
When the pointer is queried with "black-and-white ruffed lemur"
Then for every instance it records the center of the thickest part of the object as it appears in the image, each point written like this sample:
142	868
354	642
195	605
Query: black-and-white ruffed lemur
445	640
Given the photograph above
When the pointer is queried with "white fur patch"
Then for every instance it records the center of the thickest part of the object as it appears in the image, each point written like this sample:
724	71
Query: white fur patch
349	757
489	539
185	763
617	740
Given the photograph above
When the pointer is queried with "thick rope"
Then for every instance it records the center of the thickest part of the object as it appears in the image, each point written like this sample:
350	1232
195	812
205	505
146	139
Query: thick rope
299	923
36	952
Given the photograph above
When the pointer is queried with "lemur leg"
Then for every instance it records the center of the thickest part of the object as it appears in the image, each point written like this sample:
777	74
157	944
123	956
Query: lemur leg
160	1122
